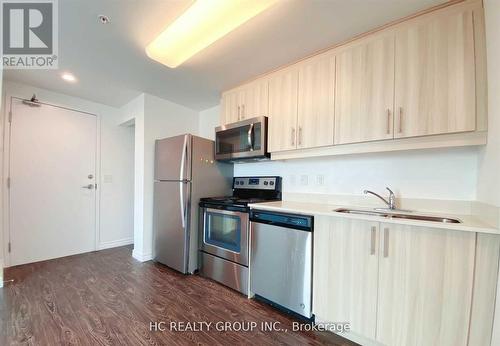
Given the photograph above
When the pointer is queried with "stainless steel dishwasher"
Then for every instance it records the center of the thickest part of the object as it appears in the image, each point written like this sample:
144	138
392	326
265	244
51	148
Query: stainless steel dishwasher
281	260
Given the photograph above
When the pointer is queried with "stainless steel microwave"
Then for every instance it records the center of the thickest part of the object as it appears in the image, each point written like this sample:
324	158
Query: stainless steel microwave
243	140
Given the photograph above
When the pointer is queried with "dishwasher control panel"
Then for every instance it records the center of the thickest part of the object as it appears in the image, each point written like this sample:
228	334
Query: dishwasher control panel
303	222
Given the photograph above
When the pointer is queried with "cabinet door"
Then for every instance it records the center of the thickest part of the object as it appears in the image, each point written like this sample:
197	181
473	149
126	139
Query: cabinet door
435	77
365	91
230	110
345	272
283	110
316	101
425	286
255	99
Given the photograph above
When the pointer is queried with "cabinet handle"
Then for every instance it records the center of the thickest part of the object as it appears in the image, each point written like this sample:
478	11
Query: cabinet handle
388	121
238	112
373	240
386	242
300	135
242	111
400	119
293	136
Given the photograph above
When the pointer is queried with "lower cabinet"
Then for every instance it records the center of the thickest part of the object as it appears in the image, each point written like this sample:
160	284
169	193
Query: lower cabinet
395	284
425	286
345	272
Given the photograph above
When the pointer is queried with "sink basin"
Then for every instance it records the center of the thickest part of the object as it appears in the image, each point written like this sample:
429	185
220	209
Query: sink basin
399	215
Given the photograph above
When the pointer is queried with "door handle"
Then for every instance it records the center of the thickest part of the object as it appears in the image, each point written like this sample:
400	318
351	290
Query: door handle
250	137
373	240
89	186
182	180
400	119
388	121
386	242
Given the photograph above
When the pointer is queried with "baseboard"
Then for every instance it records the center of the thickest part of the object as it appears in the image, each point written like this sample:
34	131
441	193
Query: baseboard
142	257
115	243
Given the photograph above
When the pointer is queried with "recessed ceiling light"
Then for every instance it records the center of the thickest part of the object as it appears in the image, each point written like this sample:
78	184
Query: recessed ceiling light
68	77
103	19
201	25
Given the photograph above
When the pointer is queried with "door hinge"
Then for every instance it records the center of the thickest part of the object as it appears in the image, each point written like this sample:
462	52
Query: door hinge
10	116
8	247
8	182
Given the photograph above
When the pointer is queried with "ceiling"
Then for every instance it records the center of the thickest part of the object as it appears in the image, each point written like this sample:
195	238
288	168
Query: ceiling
112	67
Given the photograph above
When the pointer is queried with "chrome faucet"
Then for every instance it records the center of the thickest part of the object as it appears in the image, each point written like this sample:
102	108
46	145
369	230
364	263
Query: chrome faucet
391	203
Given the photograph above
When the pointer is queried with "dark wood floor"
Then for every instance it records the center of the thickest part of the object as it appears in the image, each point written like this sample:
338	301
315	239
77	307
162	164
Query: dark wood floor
108	298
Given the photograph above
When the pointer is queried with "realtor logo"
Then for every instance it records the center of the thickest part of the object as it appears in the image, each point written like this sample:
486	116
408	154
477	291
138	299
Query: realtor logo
29	34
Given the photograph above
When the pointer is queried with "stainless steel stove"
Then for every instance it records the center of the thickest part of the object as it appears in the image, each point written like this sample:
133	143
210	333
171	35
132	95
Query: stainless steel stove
225	226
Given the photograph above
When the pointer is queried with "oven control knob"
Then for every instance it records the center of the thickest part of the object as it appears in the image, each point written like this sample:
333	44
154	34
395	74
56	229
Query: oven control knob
271	183
266	183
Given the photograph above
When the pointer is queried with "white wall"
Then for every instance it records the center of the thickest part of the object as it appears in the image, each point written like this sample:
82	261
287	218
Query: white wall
133	113
433	174
209	120
116	163
159	119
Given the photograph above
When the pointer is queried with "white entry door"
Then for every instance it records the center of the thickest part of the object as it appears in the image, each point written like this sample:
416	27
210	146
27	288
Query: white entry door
52	187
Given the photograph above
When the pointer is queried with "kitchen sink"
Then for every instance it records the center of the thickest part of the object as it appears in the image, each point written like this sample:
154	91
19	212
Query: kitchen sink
395	215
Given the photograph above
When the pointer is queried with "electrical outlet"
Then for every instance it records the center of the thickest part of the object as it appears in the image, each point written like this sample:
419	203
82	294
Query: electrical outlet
304	180
320	180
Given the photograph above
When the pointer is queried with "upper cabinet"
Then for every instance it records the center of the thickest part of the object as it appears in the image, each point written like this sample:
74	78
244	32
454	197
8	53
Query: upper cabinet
255	99
365	90
283	87
245	102
230	109
316	101
422	80
435	74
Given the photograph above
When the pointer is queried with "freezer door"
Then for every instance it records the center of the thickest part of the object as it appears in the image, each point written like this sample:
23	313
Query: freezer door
173	158
171	224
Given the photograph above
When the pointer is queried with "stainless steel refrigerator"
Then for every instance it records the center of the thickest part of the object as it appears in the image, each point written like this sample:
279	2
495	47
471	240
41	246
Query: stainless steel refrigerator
185	170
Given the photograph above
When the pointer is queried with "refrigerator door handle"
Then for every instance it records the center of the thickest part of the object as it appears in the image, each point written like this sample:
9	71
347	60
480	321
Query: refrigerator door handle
183	159
181	189
182	180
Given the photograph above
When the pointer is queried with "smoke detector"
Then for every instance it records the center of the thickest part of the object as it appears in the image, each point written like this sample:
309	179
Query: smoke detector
103	19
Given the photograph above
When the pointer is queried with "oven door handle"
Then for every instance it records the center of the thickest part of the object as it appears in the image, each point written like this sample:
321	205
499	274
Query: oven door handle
250	137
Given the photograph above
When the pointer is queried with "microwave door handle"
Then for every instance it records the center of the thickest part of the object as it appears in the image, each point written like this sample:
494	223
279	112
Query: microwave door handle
250	136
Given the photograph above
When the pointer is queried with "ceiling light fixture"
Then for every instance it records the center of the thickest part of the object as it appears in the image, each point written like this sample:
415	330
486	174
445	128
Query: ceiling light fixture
68	77
202	24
